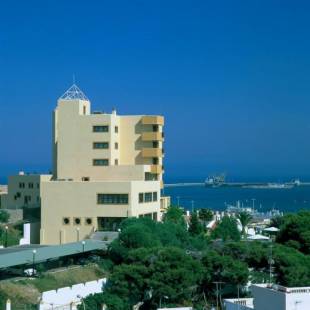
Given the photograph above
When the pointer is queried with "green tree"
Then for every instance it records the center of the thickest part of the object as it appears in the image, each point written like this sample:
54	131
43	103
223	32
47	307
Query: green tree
295	231
96	301
137	236
205	215
227	229
195	227
292	268
174	215
4	216
148	274
244	218
224	269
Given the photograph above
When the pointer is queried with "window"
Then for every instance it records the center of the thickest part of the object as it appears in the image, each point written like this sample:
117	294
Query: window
141	198
77	221
100	162
30	185
21	185
155	144
150	176
84	109
66	220
112	199
148	197
38	185
154	196
116	145
101	145
85	179
88	221
155	160
18	194
155	128
116	129
100	128
27	199
116	162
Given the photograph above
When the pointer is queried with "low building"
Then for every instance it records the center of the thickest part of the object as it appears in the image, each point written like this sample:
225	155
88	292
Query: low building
24	190
272	297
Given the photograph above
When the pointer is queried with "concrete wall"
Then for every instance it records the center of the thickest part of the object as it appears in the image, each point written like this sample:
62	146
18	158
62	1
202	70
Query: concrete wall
67	296
79	199
73	139
267	299
241	304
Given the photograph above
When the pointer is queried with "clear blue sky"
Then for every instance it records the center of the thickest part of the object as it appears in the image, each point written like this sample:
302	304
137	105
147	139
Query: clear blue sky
231	77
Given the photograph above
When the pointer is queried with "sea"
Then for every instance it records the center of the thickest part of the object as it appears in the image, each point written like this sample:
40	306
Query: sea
263	200
189	197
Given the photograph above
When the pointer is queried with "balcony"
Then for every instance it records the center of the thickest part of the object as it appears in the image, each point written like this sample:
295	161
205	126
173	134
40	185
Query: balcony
152	152
153	120
152	136
157	169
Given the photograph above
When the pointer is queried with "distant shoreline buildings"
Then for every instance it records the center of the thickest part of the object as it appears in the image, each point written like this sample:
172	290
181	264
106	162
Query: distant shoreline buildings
106	167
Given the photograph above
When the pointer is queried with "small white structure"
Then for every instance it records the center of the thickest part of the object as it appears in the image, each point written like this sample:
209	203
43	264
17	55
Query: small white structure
271	229
258	237
26	235
250	231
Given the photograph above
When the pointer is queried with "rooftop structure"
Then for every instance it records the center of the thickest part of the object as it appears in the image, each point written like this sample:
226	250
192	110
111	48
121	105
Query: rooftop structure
73	93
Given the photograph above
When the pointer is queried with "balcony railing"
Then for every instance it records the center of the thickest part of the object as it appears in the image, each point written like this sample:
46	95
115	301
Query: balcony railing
156	169
153	120
152	136
152	152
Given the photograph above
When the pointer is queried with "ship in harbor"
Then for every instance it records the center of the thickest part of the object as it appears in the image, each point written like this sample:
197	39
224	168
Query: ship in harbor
219	180
216	180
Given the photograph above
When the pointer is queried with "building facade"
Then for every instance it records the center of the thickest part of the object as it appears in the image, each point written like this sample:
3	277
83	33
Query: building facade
106	167
24	191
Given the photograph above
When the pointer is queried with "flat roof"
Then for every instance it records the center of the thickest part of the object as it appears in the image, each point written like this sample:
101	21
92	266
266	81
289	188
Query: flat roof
22	255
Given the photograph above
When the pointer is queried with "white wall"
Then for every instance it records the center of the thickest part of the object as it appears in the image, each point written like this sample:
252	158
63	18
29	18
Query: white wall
66	296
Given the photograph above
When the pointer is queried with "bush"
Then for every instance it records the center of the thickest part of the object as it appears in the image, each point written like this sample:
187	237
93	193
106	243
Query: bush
4	216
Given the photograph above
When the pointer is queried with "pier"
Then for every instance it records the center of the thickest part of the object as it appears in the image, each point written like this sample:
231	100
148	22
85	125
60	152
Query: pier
232	184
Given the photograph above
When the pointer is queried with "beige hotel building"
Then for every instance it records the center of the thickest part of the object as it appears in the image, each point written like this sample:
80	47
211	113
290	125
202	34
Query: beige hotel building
106	167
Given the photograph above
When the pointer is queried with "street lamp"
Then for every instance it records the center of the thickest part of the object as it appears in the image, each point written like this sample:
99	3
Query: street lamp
33	260
6	236
78	234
